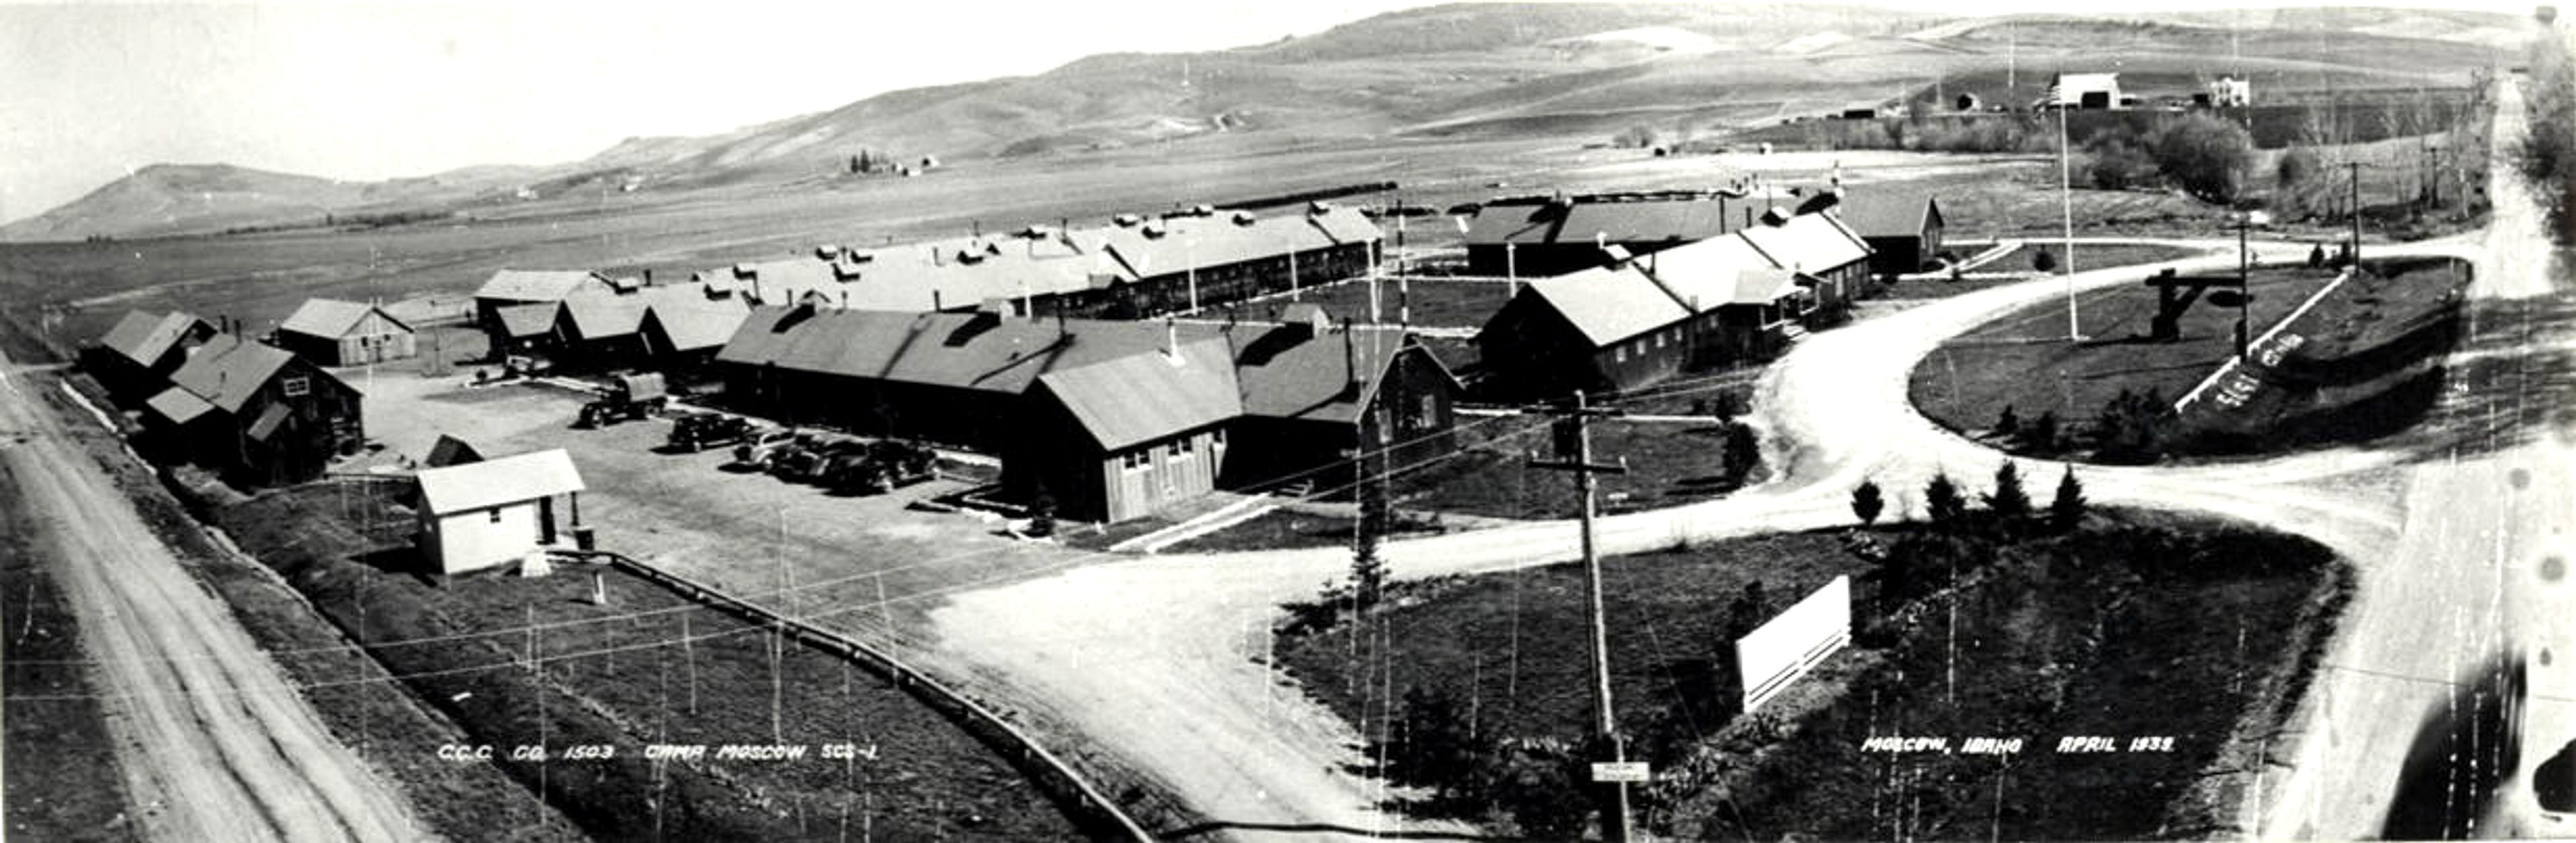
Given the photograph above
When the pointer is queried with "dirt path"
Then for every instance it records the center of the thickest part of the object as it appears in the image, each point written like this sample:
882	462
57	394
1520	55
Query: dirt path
213	742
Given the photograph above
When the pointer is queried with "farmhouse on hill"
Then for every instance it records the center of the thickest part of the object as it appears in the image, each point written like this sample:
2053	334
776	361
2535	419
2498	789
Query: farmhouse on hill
331	332
255	413
137	356
1535	237
485	514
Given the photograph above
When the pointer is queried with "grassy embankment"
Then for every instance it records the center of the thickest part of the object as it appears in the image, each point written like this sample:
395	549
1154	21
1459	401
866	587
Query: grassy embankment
2367	347
2134	625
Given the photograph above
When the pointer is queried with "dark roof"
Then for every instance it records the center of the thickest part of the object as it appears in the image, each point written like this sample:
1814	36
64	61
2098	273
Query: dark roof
1293	371
333	318
1631	222
1143	397
1881	213
528	320
142	337
228	370
689	326
962	350
450	450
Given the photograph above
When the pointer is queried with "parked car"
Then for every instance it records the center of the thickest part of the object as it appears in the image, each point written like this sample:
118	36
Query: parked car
885	466
761	448
809	460
695	432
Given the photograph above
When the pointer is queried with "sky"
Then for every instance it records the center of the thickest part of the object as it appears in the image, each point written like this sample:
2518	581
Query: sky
370	90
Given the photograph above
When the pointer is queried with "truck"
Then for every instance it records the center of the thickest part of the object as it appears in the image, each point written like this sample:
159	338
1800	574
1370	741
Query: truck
631	396
694	432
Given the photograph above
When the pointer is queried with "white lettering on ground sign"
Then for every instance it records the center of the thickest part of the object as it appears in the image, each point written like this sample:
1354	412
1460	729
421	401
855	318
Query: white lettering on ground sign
1777	653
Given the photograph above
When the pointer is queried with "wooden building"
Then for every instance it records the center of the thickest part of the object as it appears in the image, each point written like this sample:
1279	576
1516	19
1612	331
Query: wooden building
1717	302
1903	229
486	514
256	414
1536	237
331	332
530	286
136	357
1126	437
1321	401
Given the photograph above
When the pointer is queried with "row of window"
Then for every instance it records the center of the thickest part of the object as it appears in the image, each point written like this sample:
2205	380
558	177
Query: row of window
1656	340
1179	449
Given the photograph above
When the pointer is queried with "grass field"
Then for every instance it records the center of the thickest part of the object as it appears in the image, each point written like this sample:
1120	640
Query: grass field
74	791
648	667
1669	463
2022	647
2365	362
2023	361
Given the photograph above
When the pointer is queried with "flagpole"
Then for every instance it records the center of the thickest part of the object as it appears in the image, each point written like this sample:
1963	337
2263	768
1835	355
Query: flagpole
2066	208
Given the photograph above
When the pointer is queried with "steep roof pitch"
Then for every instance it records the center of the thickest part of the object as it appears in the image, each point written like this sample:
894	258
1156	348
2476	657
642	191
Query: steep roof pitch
689	326
1294	372
333	318
449	450
229	370
497	482
595	316
539	284
1877	213
1809	243
1143	397
1607	304
142	337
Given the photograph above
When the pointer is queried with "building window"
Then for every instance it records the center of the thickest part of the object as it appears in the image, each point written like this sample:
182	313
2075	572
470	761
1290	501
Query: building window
1131	460
1621	353
495	515
295	386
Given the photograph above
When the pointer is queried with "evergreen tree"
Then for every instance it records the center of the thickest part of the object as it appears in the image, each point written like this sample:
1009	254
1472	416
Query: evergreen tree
2044	261
2067	509
1942	501
2007	424
1368	570
1740	454
2009	501
2043	434
1866	502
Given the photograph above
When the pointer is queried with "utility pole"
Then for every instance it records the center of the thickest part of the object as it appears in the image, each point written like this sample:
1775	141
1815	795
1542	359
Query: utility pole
2066	210
2355	167
1574	453
2244	285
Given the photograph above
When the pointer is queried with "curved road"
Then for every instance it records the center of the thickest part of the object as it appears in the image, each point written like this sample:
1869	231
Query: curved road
213	742
1158	660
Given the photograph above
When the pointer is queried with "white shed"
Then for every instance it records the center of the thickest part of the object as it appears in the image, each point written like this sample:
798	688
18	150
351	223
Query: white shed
490	513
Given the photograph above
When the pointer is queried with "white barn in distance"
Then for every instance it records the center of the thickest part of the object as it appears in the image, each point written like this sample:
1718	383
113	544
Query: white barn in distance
491	513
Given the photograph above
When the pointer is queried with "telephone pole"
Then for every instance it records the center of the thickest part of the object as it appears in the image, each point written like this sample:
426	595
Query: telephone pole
2355	167
1574	453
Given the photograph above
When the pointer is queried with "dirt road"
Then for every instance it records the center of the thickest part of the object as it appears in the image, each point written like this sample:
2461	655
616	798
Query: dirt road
213	742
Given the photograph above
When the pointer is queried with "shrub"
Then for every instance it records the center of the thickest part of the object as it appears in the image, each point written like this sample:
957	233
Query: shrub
2112	163
2007	424
1436	748
2043	433
2297	165
1741	453
2204	155
2129	428
1866	502
2044	260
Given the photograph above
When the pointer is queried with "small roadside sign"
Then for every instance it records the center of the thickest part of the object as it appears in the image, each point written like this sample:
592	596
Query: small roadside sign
1606	772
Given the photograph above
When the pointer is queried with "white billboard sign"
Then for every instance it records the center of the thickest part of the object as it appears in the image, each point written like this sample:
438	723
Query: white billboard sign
1606	772
1777	653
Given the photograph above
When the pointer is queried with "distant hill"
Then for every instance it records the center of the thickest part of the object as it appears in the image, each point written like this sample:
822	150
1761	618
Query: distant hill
1458	70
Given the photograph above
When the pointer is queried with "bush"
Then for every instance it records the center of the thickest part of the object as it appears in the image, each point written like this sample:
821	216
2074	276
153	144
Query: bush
2043	434
2129	430
2007	424
2204	155
2044	260
2296	167
1866	502
1741	453
2112	163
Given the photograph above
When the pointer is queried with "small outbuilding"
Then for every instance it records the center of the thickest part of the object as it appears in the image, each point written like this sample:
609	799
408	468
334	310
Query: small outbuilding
138	355
487	514
1903	228
331	332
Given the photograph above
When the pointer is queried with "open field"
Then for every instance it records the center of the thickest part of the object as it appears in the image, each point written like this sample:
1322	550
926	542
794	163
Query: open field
2200	622
2017	263
74	791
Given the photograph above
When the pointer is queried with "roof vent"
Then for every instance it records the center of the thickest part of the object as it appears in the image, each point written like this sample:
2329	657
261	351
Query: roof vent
1203	210
970	255
744	270
1127	220
1153	229
824	253
1243	218
1318	206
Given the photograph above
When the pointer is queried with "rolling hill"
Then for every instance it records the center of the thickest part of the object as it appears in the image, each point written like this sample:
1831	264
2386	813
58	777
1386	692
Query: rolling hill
1573	70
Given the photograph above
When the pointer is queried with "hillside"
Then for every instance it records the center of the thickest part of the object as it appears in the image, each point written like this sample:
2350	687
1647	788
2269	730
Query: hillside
1467	70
